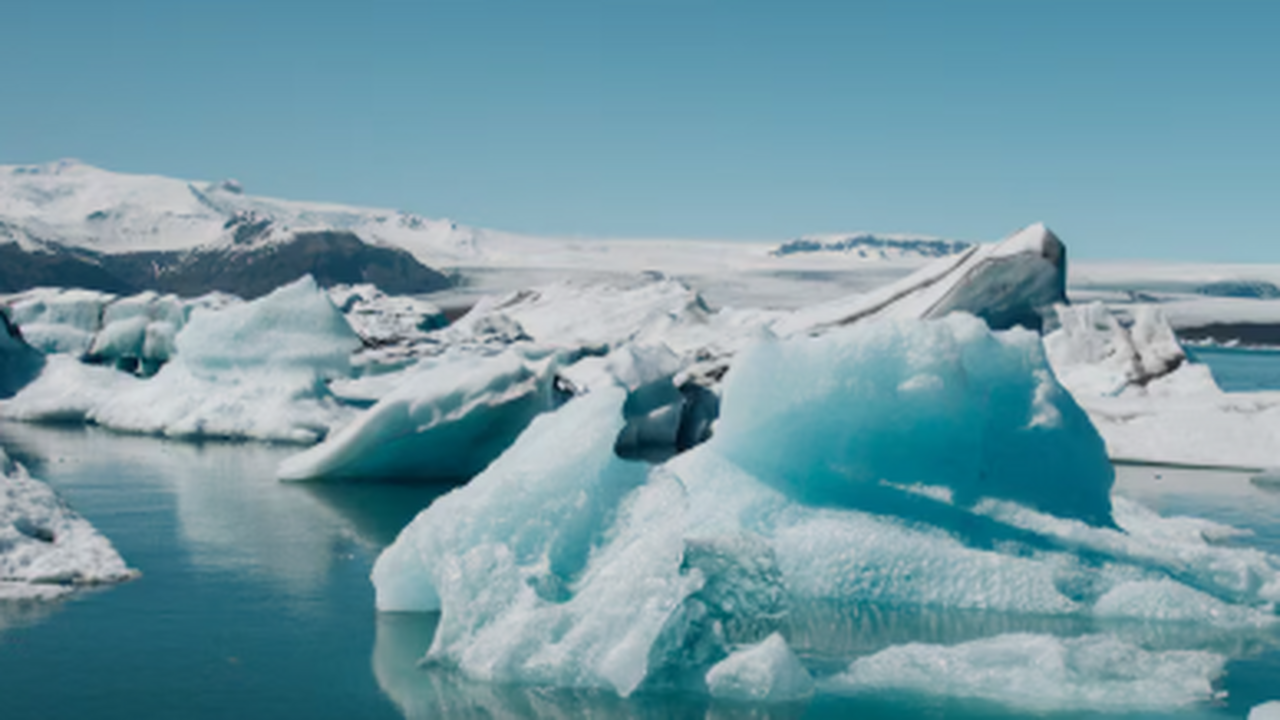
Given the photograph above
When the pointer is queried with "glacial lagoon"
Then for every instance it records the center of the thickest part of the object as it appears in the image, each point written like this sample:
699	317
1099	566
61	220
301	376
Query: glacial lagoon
255	600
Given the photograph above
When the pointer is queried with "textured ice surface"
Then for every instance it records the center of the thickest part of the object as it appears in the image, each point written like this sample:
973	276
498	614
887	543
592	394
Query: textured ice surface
252	370
1040	673
561	564
1148	402
767	671
45	547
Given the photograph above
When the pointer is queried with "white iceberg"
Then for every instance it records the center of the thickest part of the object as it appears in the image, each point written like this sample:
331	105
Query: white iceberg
446	419
1149	402
19	362
255	370
46	549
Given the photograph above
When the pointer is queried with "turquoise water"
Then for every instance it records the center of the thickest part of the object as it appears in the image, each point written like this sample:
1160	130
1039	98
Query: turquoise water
1240	369
255	602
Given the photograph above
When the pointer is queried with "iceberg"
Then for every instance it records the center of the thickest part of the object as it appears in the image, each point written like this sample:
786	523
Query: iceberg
46	549
446	419
255	370
564	564
1149	402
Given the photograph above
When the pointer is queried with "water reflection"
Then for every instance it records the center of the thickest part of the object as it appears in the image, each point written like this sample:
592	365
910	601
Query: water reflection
232	514
433	692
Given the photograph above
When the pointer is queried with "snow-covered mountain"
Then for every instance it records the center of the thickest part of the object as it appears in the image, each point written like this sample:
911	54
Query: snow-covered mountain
867	245
71	224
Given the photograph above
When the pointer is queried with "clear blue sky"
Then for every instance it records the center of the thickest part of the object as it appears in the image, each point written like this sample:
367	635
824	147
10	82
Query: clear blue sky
1133	128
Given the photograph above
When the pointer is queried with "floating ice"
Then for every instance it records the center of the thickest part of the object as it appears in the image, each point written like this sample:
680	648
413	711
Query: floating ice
1148	402
562	564
254	370
1040	673
45	547
446	419
768	672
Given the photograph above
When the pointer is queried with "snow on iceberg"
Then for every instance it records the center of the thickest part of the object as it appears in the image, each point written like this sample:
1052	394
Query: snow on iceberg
562	564
45	548
1013	282
1041	673
1148	402
255	370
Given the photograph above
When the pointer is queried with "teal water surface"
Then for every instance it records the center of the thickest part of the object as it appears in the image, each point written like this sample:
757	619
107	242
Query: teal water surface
254	602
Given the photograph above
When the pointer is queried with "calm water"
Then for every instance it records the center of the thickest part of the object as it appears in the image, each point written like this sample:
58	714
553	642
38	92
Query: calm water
255	602
1240	369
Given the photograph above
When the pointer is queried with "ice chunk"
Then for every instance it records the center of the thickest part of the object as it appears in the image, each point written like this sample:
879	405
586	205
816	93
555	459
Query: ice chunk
767	672
1041	673
45	547
445	420
943	402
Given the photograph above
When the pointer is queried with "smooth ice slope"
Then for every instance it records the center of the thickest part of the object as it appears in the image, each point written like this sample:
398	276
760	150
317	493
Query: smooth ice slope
1013	282
45	547
446	419
255	370
946	403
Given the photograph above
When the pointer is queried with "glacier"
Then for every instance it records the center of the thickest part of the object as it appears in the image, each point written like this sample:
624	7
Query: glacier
46	549
564	564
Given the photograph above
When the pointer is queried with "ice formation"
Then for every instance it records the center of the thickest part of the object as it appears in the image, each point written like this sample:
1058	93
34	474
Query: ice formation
563	564
1041	673
19	362
253	370
1149	403
46	549
767	671
446	419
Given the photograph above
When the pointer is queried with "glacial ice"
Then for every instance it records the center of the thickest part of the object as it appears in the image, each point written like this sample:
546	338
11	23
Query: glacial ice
767	671
1148	402
446	419
46	549
252	370
1041	673
562	564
